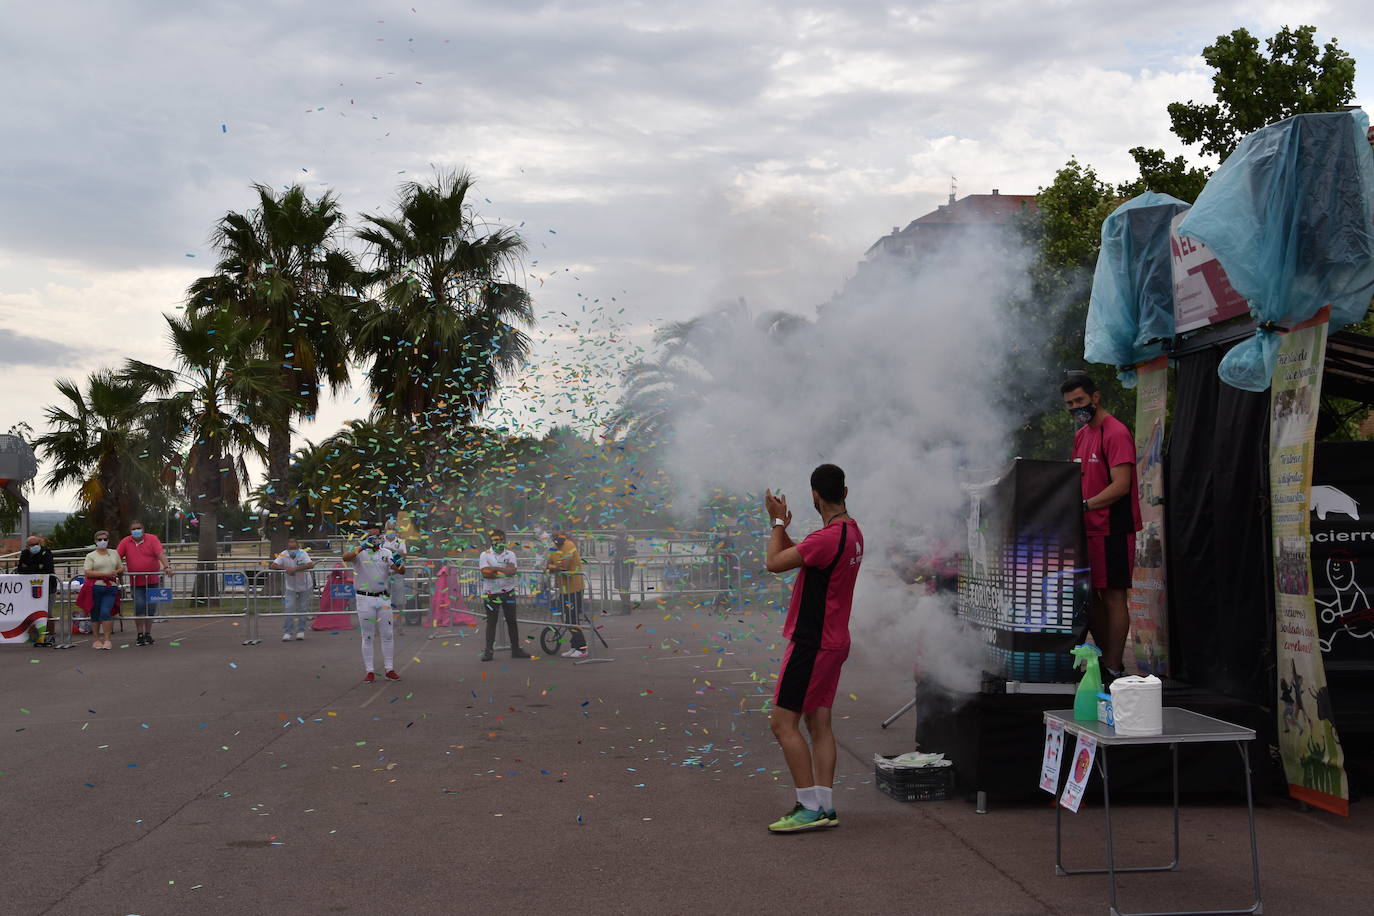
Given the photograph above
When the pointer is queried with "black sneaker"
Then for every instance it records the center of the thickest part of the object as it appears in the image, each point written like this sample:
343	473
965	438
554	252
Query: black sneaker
141	638
148	639
486	655
519	653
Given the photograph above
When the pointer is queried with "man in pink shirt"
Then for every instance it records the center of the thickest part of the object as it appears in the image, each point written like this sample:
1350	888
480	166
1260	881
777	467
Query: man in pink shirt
142	553
817	630
1105	451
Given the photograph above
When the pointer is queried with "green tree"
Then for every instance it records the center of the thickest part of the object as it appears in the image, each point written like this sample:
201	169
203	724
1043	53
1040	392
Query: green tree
280	269
449	317
1162	175
96	442
214	402
1253	88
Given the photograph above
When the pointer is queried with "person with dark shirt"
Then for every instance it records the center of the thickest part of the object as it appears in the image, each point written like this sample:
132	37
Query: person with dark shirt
1105	451
817	630
36	559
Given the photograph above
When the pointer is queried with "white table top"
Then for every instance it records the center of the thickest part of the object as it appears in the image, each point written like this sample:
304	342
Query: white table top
1181	726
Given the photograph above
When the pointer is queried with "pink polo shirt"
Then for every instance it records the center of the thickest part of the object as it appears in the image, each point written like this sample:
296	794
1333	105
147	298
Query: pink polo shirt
142	557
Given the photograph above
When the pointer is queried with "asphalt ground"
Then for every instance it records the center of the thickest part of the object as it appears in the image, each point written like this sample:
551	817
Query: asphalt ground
211	777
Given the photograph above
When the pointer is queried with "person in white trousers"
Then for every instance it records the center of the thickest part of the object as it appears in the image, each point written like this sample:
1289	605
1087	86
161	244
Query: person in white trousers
372	565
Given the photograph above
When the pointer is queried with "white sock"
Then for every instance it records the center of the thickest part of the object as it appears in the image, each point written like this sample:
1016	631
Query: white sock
825	797
807	798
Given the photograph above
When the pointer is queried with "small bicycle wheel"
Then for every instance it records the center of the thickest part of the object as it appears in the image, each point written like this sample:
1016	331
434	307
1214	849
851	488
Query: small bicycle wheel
549	641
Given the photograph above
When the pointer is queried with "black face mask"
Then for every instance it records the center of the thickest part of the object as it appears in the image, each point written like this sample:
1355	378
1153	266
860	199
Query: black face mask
1082	416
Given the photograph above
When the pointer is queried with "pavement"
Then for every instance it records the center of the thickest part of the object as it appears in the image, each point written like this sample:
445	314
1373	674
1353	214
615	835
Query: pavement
203	776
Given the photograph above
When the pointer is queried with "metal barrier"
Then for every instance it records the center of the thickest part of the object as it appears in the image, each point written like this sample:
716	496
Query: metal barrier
538	602
246	594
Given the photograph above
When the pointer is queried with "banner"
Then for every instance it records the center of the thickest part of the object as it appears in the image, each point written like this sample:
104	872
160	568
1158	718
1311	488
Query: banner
1312	757
23	602
1148	601
1202	293
1342	520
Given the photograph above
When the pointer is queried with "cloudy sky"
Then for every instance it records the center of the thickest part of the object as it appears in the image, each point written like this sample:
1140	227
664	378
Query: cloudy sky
666	154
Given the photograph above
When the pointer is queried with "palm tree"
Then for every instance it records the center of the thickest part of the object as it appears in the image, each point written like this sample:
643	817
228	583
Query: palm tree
448	320
96	442
214	402
278	268
678	379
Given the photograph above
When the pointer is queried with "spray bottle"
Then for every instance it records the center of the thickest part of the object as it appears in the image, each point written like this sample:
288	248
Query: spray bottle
1085	700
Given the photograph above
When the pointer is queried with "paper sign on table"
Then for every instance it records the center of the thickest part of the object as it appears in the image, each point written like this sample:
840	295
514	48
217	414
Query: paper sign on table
1084	754
1054	753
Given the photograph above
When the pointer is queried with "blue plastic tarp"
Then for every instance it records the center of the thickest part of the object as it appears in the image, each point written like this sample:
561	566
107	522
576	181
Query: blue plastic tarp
1131	311
1290	216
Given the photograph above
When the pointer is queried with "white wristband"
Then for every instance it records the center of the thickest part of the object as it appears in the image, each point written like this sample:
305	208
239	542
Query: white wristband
778	521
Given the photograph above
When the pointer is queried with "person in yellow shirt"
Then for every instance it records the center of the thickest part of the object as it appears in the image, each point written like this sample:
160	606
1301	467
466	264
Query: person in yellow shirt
565	564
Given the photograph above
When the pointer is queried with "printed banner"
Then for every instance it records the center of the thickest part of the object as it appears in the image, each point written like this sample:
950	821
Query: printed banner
23	603
1202	293
1084	754
1342	519
1148	599
1312	757
1054	754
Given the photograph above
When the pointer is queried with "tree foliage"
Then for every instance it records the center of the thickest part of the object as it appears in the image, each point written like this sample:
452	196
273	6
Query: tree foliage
1253	88
280	268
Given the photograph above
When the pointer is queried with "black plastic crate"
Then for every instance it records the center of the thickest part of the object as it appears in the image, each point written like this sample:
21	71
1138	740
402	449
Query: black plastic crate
913	784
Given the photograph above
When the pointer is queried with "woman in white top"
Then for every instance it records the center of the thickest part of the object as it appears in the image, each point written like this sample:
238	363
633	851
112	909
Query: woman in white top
103	568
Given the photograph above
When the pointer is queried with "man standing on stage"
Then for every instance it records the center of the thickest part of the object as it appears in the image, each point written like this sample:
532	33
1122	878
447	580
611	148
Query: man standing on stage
372	565
1105	450
818	630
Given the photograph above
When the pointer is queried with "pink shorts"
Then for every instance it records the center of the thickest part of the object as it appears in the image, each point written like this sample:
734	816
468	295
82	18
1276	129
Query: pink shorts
809	678
1112	560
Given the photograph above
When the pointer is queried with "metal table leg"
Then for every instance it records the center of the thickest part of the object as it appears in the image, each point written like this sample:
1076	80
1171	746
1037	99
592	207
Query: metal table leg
1256	907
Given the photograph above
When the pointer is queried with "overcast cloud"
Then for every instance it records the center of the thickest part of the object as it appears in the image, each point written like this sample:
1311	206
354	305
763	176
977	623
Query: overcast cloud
668	154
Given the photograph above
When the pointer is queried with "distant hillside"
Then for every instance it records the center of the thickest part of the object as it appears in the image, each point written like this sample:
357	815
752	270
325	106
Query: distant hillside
45	522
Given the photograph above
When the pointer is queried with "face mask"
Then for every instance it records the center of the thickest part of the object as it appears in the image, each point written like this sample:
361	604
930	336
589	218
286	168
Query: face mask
101	543
137	533
391	535
35	548
370	543
1082	416
498	546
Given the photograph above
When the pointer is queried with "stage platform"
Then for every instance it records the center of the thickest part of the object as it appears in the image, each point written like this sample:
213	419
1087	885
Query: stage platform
996	741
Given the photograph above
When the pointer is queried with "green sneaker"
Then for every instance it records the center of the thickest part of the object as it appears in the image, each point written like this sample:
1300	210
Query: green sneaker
798	819
832	819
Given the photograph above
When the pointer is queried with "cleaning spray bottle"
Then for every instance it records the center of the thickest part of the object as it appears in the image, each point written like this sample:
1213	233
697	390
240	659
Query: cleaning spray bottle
1085	700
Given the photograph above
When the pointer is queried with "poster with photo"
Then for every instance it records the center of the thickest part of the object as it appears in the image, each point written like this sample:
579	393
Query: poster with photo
1054	754
1083	756
1313	759
1147	600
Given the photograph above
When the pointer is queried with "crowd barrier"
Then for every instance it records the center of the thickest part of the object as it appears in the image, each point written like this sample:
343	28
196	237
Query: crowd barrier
247	589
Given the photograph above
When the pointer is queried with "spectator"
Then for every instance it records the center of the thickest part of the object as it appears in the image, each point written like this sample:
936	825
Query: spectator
102	570
623	556
142	553
565	563
396	582
372	565
498	565
35	559
297	590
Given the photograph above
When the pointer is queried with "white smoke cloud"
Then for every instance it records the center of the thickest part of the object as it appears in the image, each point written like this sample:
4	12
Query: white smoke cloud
898	381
